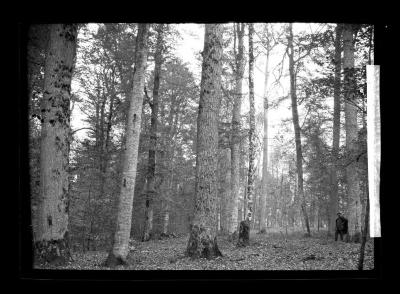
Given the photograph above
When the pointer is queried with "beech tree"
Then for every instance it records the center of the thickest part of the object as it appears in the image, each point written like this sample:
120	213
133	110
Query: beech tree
354	193
120	249
235	128
296	126
51	240
203	234
151	192
333	199
244	233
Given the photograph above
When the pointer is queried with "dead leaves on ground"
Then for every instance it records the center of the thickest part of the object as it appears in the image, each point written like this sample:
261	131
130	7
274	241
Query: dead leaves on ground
265	252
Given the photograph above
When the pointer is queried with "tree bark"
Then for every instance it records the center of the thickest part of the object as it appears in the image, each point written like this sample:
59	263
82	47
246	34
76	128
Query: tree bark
120	249
235	143
296	126
203	234
225	187
264	193
333	199
364	236
243	240
354	203
151	192
252	137
52	244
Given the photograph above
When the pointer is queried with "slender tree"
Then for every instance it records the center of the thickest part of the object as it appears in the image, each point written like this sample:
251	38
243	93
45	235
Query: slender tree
235	137
151	192
296	125
52	242
354	207
252	135
244	229
120	249
203	234
264	183
333	196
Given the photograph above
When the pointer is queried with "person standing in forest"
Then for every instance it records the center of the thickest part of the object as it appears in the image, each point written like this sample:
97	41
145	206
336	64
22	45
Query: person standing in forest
341	226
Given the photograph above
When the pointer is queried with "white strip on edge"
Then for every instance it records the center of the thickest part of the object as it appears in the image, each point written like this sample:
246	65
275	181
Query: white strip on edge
374	148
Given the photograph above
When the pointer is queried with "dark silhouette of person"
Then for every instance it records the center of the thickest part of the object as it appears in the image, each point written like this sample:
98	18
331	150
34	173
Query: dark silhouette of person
341	226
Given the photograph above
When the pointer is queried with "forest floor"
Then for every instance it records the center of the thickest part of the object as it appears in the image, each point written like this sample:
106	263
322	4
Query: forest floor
270	251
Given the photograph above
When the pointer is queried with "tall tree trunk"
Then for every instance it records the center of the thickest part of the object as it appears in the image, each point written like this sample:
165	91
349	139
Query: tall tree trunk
333	199
51	242
235	137
354	203
296	126
244	238
252	134
151	192
120	249
264	193
203	234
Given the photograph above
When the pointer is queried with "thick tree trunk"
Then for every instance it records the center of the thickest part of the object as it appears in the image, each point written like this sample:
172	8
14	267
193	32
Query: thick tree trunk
120	250
51	242
203	234
296	126
333	199
354	202
150	193
264	193
235	143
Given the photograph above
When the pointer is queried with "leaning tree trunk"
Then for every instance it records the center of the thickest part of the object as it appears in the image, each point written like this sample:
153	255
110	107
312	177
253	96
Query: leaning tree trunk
244	238
354	203
120	249
150	193
296	125
235	136
51	242
263	200
203	234
333	196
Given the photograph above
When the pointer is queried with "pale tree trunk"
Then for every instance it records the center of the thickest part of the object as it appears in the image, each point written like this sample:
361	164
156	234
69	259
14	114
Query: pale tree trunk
235	137
264	193
333	199
120	249
203	234
296	126
150	193
245	225
354	204
51	243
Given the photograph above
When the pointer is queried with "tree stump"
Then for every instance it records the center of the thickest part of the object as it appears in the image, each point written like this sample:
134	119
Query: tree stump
244	233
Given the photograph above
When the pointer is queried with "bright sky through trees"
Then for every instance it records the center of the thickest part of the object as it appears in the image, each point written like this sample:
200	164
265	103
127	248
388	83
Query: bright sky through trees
188	48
